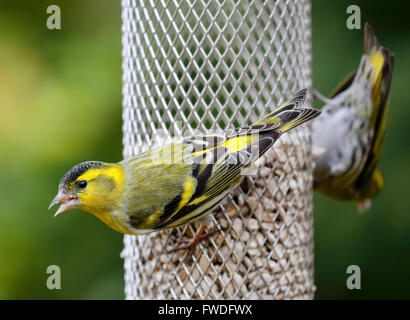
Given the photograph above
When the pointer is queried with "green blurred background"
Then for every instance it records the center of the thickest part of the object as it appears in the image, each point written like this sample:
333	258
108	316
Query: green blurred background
60	103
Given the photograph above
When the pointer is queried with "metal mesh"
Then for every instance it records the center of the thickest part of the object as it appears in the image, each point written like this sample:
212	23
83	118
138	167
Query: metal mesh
212	64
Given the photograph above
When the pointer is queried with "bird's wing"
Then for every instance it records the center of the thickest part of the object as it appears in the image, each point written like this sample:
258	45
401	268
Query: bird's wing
217	162
344	85
380	96
218	159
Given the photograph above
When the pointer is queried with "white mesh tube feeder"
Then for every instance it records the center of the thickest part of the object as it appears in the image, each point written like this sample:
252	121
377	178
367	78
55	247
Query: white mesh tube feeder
212	64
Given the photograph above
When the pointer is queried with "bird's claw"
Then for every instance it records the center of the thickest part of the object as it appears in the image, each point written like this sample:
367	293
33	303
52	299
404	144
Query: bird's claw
192	243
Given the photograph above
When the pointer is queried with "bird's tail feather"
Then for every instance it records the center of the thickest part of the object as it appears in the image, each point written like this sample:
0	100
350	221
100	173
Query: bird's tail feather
376	60
375	67
291	114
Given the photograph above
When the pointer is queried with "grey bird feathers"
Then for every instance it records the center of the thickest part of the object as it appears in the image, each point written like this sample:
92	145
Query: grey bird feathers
347	137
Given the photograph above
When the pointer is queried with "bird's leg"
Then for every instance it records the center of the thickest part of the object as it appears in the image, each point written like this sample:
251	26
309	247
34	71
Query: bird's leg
321	97
191	244
202	237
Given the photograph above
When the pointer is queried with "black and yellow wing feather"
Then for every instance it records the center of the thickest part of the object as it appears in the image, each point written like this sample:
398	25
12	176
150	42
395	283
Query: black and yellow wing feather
218	159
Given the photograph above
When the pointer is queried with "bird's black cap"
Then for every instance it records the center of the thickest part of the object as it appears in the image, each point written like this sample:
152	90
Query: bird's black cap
78	170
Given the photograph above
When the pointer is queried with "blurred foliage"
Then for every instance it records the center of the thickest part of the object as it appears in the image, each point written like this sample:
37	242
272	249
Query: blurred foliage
60	98
60	103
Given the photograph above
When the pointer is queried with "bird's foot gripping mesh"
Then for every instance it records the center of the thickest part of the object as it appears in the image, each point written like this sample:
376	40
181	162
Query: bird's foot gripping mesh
212	64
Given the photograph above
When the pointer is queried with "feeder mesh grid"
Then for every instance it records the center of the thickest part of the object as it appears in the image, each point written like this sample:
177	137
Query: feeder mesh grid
200	65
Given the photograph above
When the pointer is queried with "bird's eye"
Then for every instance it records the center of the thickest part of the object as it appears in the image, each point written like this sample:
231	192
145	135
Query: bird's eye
82	184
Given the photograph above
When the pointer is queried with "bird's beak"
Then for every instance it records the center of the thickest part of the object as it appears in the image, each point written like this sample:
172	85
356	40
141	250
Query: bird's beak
67	201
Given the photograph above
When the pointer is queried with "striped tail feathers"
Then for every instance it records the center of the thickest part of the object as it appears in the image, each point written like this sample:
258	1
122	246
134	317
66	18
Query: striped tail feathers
296	101
291	114
301	116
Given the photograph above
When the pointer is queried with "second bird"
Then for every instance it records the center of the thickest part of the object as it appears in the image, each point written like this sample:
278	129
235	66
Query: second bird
349	133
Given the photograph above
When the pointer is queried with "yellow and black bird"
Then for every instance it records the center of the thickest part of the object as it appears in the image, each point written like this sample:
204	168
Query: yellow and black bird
179	183
349	133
